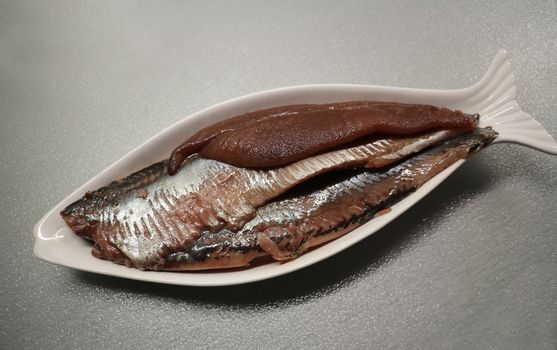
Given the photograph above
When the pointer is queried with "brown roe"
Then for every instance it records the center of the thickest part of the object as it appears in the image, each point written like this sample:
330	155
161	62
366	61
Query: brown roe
283	135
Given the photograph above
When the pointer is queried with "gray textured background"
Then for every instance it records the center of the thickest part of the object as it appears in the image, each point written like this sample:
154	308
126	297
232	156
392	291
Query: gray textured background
81	83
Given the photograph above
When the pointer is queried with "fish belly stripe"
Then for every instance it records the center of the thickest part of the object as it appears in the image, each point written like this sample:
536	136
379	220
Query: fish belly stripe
126	233
159	222
154	225
165	230
275	180
358	153
383	143
169	220
137	232
146	230
297	172
164	201
374	148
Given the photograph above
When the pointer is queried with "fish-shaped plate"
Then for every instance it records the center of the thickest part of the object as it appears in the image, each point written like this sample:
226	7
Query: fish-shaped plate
493	97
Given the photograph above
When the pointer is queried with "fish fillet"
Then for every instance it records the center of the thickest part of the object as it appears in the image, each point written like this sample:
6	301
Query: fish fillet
285	229
142	219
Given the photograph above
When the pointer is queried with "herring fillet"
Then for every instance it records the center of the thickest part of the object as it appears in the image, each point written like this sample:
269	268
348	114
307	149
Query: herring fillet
285	229
143	218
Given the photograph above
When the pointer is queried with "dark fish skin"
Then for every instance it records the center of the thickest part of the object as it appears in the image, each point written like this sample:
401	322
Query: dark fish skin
140	220
287	228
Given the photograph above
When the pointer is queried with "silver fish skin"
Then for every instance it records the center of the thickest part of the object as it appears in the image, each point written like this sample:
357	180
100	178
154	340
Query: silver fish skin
287	228
140	220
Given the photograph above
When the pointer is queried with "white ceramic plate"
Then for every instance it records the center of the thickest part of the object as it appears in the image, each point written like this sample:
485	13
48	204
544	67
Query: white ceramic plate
493	97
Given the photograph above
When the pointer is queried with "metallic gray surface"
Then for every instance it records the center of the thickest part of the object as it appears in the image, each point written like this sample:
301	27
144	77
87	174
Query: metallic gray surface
81	83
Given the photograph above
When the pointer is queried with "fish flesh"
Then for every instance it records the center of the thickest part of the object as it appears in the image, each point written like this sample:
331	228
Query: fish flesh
282	135
286	228
142	219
